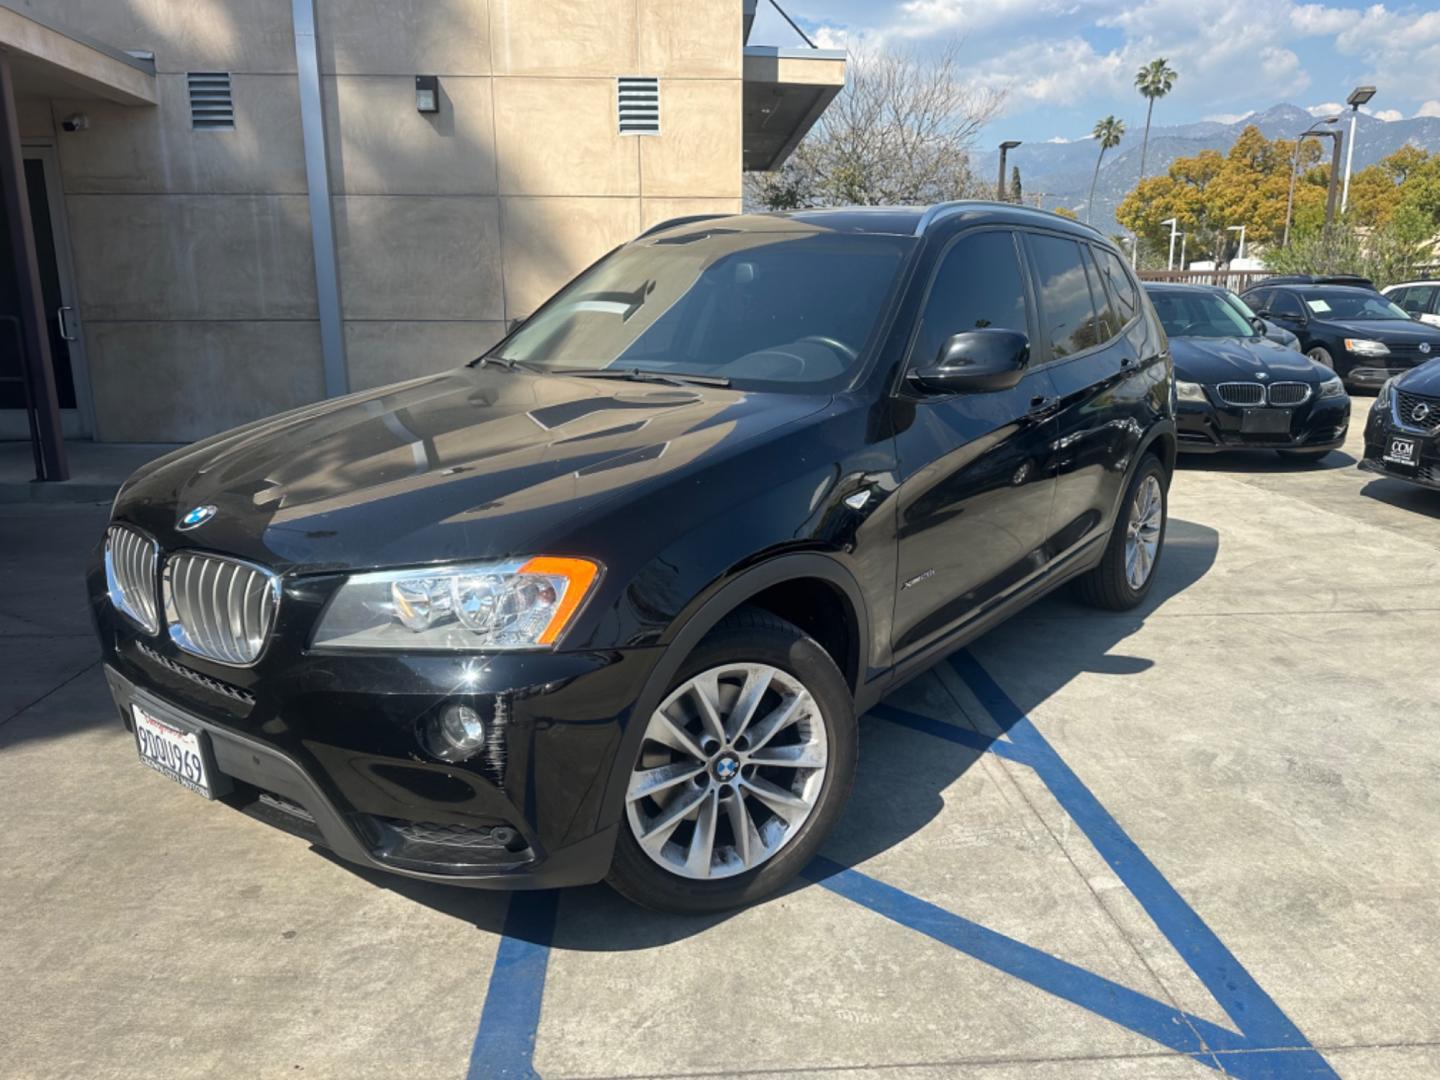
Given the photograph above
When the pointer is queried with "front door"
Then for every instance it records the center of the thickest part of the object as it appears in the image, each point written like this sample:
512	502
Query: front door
977	468
52	252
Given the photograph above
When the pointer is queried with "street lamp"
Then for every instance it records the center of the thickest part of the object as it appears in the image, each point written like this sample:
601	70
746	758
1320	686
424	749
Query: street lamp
1184	238
1359	96
1241	230
1319	133
1005	148
1170	259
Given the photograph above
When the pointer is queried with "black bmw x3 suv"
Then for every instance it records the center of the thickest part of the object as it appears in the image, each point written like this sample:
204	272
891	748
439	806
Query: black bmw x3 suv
606	602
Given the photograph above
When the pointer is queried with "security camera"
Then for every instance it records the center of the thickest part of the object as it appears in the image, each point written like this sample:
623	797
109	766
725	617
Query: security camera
75	122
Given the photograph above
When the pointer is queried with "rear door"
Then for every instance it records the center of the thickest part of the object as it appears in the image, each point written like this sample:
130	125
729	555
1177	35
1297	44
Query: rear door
1108	368
977	468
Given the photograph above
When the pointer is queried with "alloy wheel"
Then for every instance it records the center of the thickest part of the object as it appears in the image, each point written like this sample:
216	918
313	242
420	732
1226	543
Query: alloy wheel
1142	531
1320	356
732	765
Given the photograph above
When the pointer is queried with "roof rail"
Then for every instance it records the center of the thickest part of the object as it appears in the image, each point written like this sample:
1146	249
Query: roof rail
672	222
941	210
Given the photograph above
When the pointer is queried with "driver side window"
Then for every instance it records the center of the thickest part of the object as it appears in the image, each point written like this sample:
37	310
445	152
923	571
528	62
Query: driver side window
1283	303
978	285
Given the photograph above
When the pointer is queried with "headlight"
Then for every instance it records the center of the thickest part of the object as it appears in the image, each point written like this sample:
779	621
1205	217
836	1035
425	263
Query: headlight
1366	347
1382	399
1332	388
1189	391
523	604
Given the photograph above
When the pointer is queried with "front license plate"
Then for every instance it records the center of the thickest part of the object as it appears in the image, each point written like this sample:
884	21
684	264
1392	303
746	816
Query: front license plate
1403	451
1265	421
172	750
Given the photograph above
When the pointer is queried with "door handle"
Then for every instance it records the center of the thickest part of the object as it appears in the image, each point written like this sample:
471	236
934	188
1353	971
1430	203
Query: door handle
65	331
1042	405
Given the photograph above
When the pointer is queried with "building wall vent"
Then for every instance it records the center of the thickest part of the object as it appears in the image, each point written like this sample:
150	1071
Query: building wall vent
639	102
211	107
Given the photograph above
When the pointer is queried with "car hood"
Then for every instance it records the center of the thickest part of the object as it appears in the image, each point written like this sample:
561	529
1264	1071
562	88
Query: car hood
476	463
1424	379
1212	360
1390	331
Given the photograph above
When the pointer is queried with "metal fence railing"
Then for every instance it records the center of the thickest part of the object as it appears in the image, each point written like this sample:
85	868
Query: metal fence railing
1234	280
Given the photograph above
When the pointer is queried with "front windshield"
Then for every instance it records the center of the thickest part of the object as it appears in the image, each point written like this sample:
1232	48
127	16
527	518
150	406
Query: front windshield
792	308
1356	306
1199	314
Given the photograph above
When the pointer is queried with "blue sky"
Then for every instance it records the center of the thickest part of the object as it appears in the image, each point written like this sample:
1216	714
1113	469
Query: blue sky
1063	64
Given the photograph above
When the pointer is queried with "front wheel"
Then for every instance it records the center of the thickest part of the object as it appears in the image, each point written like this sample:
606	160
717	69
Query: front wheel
742	770
1322	357
1123	577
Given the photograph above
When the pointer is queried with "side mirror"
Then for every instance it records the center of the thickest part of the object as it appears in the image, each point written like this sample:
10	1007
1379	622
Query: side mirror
1258	324
977	360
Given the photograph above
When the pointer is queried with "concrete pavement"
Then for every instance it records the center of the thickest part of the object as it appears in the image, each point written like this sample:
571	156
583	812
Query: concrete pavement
1194	840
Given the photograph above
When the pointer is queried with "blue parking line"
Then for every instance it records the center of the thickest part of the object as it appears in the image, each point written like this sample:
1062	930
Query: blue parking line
505	1043
1252	1010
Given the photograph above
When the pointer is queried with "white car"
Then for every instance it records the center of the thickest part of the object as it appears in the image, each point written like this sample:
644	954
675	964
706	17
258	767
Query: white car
1421	299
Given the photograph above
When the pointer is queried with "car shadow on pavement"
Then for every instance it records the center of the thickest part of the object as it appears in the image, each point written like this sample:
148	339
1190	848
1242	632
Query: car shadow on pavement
1404	496
901	783
1263	461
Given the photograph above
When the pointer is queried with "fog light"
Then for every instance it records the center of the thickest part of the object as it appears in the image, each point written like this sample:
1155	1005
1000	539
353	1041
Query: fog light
457	733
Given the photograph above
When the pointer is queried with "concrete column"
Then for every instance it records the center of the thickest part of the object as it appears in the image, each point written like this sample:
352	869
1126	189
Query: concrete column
37	363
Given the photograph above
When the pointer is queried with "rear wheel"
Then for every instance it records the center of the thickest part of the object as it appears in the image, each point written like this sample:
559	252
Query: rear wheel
1127	569
743	769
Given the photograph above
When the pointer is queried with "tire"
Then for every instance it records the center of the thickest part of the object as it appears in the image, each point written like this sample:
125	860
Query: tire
1321	356
1304	455
1109	584
674	874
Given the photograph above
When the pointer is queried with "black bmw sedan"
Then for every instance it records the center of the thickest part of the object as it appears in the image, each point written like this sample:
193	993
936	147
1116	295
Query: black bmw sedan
1236	389
1402	436
607	602
1357	332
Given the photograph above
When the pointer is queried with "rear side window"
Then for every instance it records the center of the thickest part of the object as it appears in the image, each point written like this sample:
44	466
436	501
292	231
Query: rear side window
979	284
1107	322
1067	314
1120	285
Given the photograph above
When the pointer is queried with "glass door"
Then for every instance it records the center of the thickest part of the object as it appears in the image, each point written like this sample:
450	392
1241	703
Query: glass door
57	286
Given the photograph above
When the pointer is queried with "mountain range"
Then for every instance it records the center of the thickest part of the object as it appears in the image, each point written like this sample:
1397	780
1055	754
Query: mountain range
1061	171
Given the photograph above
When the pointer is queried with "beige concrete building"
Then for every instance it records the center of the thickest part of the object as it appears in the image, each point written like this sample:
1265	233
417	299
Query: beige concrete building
245	205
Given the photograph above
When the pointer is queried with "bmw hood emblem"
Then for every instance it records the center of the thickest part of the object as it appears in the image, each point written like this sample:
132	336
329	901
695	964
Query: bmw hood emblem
196	517
1424	346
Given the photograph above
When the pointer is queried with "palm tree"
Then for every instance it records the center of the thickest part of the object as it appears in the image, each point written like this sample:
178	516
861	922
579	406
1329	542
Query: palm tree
1108	131
1154	81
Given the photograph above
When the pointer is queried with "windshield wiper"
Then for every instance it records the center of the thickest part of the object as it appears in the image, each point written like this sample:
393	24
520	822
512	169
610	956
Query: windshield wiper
641	375
507	364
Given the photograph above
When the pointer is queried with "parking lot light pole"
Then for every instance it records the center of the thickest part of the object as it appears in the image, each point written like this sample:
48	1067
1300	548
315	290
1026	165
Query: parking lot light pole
1318	132
1170	259
1005	148
1359	96
1241	230
1183	238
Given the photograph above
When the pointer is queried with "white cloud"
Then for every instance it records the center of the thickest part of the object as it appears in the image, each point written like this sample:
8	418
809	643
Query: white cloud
1317	19
1430	108
1229	118
1389	115
1060	139
1330	108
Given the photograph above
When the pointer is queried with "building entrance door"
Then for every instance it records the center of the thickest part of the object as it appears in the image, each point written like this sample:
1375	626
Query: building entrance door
57	285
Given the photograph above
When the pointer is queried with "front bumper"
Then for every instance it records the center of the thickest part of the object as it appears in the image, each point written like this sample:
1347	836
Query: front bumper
1379	429
1365	376
1208	428
327	746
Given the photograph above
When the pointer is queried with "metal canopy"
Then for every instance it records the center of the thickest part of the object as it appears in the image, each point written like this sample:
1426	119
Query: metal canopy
785	92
